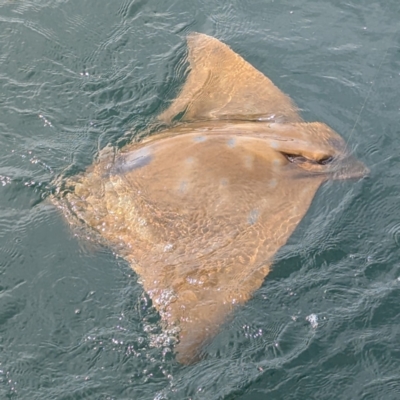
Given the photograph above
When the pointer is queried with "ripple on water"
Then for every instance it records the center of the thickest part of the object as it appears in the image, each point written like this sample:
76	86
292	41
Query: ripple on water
10	306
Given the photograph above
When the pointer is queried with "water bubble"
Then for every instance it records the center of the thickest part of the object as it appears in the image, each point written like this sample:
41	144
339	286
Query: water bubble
313	320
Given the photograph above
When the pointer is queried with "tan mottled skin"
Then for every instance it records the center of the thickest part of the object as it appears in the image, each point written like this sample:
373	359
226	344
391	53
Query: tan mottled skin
216	196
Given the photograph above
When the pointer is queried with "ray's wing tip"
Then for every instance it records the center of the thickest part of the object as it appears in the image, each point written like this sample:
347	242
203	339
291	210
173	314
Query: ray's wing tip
195	39
188	353
197	36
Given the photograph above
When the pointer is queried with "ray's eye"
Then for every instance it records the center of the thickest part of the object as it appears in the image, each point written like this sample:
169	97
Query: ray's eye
298	159
325	160
294	158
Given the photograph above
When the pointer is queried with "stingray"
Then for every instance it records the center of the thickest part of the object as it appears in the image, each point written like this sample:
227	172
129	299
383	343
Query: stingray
200	209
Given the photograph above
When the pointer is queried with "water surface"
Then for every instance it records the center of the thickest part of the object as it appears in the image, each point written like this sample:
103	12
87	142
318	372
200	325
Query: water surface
74	322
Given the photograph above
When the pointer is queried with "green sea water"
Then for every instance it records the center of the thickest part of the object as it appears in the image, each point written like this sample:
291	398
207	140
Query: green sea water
76	76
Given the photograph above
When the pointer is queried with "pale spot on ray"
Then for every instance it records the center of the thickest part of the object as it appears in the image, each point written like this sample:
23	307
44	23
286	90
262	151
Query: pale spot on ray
200	139
232	142
248	161
183	186
223	182
272	183
131	161
306	191
253	216
274	145
276	163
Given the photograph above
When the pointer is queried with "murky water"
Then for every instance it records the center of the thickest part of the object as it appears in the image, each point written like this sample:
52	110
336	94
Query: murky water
74	322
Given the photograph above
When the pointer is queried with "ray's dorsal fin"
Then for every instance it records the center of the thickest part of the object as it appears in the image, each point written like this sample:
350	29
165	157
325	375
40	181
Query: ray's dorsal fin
222	85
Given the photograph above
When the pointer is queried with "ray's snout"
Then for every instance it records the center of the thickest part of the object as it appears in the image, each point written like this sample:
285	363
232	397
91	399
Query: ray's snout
351	168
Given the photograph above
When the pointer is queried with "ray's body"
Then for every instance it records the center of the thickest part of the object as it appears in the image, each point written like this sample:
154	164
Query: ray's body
200	209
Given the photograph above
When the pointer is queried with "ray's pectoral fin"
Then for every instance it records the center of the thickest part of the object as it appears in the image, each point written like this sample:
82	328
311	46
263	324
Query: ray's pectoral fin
222	85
